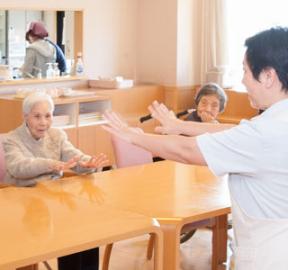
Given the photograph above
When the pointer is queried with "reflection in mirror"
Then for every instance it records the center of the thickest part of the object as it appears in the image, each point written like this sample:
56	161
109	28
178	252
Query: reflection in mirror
61	26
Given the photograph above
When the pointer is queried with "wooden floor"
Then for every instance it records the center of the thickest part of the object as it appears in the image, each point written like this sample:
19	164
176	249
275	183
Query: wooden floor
130	254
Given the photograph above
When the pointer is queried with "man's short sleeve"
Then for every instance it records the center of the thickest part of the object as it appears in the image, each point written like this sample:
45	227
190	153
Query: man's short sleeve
233	150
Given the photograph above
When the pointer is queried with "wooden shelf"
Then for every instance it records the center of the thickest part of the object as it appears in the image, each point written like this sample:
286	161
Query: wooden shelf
37	81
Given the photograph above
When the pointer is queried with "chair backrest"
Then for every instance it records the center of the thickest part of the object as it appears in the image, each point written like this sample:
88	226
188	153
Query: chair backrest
2	161
127	154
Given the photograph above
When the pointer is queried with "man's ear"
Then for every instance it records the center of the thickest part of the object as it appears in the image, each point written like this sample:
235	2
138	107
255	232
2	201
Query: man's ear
268	77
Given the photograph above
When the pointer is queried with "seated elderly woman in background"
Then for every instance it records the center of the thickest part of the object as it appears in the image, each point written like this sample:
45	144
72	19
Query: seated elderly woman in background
210	101
34	151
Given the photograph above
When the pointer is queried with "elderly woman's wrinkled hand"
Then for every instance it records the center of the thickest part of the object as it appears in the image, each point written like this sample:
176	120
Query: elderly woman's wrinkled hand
60	166
207	117
95	162
166	117
119	127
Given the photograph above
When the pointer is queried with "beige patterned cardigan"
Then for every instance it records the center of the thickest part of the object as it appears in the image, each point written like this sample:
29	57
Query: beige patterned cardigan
29	160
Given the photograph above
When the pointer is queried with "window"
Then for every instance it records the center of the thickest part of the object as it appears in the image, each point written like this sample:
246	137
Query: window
244	19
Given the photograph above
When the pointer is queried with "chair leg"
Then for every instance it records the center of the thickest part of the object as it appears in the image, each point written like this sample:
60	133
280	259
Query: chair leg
47	265
185	236
150	247
29	267
106	257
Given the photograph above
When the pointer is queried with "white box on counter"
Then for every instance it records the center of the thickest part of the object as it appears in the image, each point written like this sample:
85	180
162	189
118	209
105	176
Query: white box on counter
111	83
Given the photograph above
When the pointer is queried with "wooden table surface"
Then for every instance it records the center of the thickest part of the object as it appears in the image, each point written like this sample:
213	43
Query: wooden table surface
42	223
173	193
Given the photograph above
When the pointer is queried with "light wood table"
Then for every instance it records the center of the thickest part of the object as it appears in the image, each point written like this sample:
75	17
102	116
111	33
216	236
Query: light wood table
38	224
173	193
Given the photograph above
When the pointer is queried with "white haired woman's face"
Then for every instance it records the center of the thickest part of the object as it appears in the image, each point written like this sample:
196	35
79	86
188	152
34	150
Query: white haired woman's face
39	119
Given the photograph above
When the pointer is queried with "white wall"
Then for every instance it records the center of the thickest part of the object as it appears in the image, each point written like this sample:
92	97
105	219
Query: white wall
110	36
187	43
157	41
167	42
184	41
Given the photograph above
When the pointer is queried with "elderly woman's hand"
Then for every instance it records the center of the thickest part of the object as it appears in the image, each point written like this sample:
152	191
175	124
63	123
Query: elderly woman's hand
60	166
166	118
207	117
119	127
95	162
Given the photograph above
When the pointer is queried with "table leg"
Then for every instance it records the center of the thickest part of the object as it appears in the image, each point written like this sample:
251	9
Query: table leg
158	250
219	241
171	247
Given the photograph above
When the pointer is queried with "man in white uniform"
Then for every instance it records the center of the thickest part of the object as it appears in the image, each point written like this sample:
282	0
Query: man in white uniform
254	154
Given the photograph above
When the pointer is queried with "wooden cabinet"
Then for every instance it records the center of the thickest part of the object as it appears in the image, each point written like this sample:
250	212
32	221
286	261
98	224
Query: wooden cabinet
94	137
80	117
72	134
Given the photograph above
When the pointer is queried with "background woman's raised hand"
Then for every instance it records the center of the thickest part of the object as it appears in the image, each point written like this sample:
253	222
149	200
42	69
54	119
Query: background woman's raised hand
207	117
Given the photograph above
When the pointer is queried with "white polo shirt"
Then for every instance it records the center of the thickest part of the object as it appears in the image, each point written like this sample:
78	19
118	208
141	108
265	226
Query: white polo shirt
255	155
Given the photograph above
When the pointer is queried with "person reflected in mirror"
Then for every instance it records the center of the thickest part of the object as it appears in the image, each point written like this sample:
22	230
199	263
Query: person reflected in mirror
39	52
36	151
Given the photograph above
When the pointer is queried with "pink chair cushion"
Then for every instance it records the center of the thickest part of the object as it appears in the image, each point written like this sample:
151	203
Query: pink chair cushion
127	154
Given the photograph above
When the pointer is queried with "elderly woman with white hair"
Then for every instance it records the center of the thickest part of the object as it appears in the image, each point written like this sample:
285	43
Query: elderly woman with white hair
35	151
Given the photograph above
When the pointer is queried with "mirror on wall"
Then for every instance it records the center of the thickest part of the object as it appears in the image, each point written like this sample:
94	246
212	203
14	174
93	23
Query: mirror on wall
64	28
